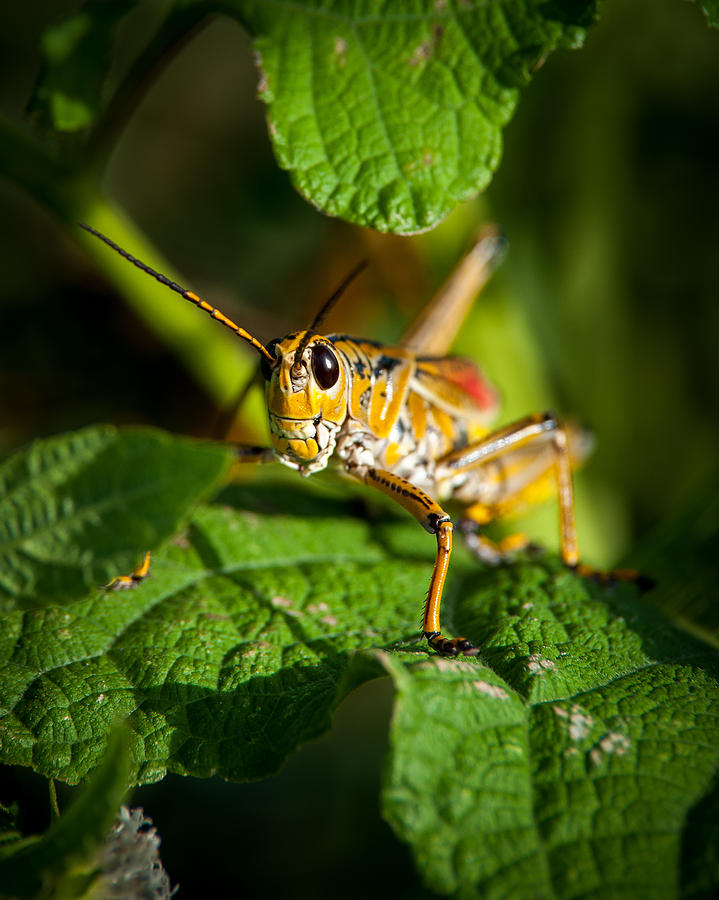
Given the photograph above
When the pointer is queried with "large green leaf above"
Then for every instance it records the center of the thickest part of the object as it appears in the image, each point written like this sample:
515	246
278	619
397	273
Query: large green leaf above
388	114
385	114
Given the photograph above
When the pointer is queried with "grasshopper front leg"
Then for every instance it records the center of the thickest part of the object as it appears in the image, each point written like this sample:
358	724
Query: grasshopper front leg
436	521
138	574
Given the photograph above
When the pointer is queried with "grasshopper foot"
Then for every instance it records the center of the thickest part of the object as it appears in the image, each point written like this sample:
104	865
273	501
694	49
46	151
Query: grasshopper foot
450	646
614	576
138	574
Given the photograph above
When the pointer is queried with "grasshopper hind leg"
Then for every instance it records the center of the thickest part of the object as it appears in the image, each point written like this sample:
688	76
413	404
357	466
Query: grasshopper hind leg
524	463
483	548
512	468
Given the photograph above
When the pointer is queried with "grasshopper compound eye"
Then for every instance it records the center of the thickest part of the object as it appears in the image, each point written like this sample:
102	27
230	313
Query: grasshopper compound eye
325	367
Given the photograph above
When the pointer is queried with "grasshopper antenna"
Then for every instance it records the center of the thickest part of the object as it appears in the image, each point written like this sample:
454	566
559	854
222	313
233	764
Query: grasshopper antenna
324	311
187	295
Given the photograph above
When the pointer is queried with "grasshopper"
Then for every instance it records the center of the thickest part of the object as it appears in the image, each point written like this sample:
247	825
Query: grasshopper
411	422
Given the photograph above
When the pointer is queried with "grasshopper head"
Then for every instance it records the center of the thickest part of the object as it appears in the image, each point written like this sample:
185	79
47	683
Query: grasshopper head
306	378
306	399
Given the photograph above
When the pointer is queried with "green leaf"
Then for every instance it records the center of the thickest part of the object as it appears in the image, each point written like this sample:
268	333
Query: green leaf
77	510
710	8
385	118
388	116
76	55
578	756
48	866
567	764
235	650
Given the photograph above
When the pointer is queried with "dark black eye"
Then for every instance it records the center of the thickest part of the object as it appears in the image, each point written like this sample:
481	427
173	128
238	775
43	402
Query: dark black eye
265	366
325	367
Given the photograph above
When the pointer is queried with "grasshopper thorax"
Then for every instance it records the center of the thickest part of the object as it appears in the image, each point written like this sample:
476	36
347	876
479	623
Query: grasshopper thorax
306	399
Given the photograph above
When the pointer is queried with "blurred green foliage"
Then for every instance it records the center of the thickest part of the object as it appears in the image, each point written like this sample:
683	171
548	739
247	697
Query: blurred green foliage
62	863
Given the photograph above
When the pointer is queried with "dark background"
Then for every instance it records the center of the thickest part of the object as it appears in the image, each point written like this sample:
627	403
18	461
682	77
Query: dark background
605	309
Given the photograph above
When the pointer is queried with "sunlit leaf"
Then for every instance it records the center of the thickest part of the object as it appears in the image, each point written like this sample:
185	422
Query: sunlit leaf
387	116
384	116
577	754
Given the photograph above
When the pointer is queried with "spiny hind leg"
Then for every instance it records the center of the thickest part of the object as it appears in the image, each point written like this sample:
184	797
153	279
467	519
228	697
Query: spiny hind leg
533	455
520	461
437	522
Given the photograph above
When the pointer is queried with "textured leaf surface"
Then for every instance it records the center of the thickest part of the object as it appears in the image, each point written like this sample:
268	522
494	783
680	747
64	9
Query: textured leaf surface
567	765
388	114
578	757
229	656
75	510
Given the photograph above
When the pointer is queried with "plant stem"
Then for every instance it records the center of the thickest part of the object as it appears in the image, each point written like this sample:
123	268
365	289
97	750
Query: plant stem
179	27
54	808
219	362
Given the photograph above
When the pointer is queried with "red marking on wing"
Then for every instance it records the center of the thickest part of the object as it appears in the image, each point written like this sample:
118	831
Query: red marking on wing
460	383
471	380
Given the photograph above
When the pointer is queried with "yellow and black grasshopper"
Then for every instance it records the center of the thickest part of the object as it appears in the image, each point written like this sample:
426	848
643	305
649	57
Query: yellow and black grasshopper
411	422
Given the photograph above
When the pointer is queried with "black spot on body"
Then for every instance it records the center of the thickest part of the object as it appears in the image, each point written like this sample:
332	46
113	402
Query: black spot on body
385	364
